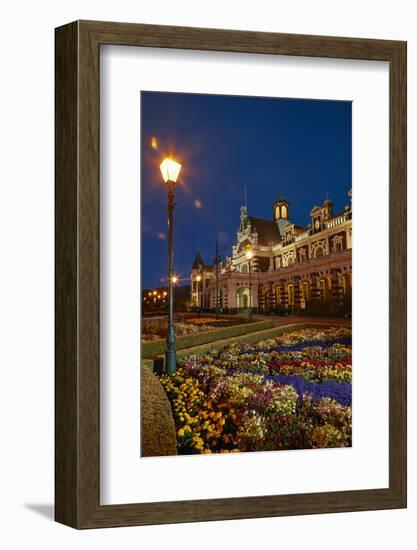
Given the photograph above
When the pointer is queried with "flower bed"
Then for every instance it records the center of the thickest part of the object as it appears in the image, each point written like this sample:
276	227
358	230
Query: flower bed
288	392
157	329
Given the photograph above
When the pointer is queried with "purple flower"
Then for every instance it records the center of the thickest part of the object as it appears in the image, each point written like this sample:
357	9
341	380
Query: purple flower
339	391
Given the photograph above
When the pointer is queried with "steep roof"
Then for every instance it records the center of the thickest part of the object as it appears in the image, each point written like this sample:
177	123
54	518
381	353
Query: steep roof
267	230
198	261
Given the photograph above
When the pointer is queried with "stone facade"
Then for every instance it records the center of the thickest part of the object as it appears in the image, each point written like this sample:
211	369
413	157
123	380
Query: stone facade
292	268
200	280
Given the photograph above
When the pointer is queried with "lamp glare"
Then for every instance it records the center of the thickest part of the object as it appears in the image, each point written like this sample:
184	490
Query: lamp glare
170	170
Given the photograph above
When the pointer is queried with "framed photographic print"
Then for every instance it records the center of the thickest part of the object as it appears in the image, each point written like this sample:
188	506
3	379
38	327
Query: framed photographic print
230	274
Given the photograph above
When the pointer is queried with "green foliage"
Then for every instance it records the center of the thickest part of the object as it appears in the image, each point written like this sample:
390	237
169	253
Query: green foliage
157	347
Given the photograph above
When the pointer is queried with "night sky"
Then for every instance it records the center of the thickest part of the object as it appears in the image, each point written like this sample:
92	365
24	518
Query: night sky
300	149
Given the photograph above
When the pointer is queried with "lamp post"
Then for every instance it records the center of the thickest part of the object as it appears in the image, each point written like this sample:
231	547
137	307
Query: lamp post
170	171
198	279
249	256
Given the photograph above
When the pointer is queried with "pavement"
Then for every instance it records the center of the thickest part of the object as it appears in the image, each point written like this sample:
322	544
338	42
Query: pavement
280	320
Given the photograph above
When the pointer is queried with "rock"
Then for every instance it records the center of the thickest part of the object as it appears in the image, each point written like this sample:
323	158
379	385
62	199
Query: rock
158	435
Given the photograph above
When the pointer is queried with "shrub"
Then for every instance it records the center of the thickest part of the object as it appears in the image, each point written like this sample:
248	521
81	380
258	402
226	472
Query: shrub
157	347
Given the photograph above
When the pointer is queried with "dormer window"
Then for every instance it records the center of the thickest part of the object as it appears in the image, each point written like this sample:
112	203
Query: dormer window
337	243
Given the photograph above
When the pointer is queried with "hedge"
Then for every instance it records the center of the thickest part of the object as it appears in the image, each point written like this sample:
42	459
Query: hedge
247	339
151	349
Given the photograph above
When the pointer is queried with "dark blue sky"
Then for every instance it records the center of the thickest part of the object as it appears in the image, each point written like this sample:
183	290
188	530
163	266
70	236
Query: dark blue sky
300	149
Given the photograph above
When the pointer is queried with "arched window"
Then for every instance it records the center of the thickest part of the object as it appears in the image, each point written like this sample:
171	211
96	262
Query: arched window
277	213
338	246
242	297
284	212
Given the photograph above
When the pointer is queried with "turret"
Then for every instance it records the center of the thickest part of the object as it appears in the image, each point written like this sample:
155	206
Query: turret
281	213
327	209
198	261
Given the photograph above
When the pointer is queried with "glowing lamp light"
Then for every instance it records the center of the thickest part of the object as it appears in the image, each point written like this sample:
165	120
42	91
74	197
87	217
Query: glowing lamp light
174	279
198	278
170	170
249	254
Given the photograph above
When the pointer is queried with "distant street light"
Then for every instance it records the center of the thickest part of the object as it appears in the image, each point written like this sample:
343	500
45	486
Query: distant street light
249	256
198	278
170	170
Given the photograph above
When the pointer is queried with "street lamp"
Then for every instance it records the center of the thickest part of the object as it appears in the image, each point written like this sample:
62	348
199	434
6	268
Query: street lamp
170	170
198	279
249	256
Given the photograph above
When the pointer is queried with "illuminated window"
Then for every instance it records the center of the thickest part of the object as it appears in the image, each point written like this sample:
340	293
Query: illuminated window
278	294
291	295
277	213
323	286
